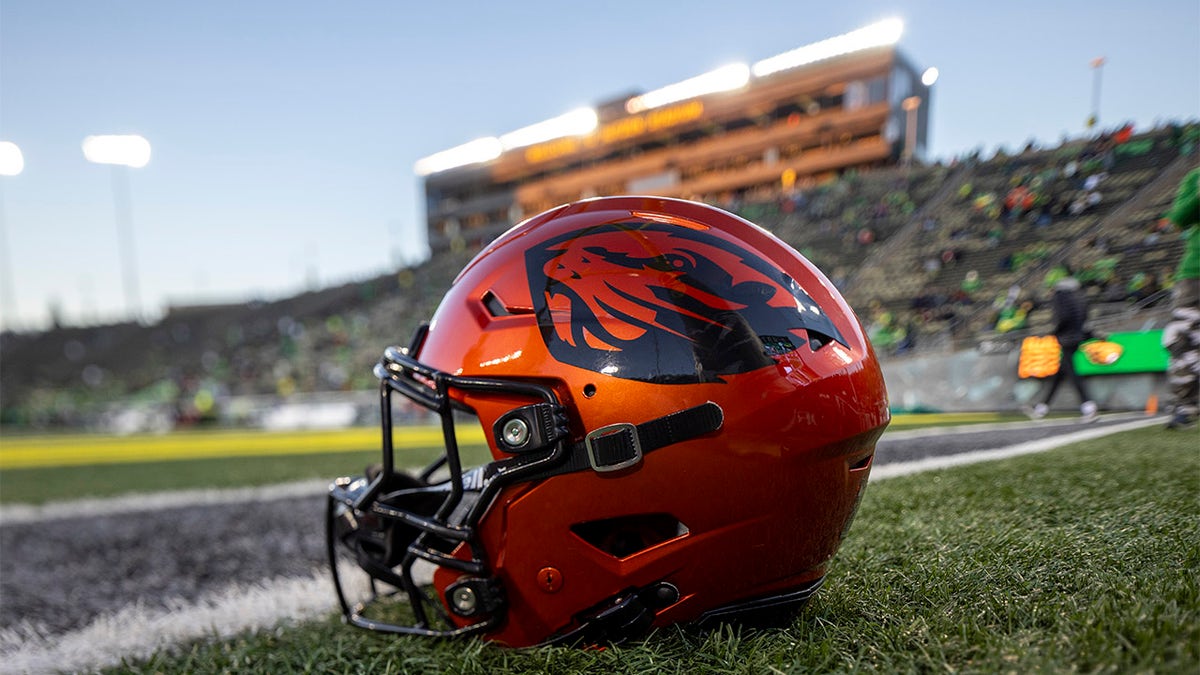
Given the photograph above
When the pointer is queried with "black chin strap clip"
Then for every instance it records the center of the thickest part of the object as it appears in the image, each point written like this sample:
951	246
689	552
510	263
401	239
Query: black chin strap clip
619	446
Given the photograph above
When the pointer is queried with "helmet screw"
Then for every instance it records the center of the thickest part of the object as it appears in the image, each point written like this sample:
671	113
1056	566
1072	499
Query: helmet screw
666	594
463	599
549	579
516	432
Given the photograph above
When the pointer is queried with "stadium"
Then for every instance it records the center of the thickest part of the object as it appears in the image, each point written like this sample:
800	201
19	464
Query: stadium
162	485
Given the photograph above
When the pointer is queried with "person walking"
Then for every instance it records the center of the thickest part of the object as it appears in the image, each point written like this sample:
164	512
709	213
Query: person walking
1070	313
1181	337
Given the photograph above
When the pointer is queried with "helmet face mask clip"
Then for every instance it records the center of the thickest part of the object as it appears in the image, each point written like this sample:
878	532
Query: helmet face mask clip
680	412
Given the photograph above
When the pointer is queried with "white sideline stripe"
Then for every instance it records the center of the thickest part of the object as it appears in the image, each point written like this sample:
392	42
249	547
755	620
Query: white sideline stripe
136	632
158	501
925	432
894	469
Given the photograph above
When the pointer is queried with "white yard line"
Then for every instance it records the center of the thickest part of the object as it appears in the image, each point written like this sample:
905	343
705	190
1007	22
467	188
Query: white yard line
158	501
1029	447
137	632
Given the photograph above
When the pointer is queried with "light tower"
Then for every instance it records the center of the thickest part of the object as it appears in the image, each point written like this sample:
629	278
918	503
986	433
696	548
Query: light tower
11	164
122	152
1097	76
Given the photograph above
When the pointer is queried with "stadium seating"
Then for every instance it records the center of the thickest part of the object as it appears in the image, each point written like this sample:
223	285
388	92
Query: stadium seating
900	242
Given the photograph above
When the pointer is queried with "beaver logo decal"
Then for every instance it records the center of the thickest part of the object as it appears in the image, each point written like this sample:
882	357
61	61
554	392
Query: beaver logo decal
668	304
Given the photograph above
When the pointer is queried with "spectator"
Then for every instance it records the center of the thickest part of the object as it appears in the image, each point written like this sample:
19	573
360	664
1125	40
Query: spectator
1123	134
1070	314
1009	315
907	340
1014	318
885	332
971	283
1181	337
1055	275
1142	286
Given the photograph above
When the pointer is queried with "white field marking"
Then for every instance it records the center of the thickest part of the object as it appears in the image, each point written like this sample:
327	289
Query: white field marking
136	632
157	501
894	469
900	434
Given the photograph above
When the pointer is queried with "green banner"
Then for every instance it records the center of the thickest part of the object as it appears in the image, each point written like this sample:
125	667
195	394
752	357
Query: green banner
1132	352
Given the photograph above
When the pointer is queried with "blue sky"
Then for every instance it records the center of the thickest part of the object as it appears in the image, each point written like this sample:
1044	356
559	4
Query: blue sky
284	133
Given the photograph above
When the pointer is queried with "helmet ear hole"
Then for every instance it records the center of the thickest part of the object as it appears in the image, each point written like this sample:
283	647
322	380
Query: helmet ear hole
627	535
589	390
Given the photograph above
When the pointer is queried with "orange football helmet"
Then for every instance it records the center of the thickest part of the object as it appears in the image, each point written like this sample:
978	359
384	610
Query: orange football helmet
681	412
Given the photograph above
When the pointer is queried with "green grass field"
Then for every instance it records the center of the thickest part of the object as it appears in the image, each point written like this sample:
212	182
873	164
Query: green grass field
1081	559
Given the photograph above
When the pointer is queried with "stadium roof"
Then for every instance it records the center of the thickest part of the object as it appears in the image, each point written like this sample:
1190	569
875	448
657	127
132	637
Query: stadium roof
726	78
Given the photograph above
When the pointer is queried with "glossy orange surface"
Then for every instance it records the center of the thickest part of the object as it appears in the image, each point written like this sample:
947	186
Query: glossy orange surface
765	500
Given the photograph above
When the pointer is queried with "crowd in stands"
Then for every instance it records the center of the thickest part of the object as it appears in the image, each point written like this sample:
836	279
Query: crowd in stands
982	259
930	257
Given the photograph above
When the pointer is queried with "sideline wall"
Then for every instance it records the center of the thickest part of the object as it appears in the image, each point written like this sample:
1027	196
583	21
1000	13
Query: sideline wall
974	381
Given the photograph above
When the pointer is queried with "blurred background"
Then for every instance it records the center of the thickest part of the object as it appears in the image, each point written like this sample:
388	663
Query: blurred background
220	214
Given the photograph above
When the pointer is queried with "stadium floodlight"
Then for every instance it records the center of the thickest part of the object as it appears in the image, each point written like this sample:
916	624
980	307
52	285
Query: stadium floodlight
11	164
929	76
880	34
124	150
479	150
725	78
11	160
575	123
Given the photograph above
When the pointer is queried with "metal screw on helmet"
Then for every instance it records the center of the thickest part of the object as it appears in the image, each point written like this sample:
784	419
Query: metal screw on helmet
665	595
464	600
516	432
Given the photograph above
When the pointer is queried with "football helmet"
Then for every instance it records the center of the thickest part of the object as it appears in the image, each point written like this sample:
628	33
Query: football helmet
681	412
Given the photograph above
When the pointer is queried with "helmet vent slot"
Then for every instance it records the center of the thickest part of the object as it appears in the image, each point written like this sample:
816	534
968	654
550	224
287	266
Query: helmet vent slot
627	535
496	307
861	463
816	340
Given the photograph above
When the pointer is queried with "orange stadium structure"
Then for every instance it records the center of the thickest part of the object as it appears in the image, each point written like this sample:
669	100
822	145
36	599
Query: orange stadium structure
784	122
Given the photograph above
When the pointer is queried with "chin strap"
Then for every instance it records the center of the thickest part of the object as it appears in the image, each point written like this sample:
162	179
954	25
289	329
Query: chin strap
631	614
625	617
621	446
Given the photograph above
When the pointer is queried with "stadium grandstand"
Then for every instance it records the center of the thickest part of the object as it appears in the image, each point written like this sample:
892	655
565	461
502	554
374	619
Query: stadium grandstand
787	122
941	258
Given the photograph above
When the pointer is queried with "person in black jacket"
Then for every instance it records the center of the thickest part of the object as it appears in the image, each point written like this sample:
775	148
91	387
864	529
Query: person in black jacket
1070	314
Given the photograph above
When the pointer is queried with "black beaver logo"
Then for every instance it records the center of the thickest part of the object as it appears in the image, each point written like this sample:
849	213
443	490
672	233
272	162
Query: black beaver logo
664	303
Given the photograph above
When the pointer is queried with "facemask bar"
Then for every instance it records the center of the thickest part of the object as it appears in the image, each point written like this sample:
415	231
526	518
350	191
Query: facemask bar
430	388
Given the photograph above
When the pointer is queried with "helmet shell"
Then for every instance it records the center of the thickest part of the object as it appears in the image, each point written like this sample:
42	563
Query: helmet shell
633	308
